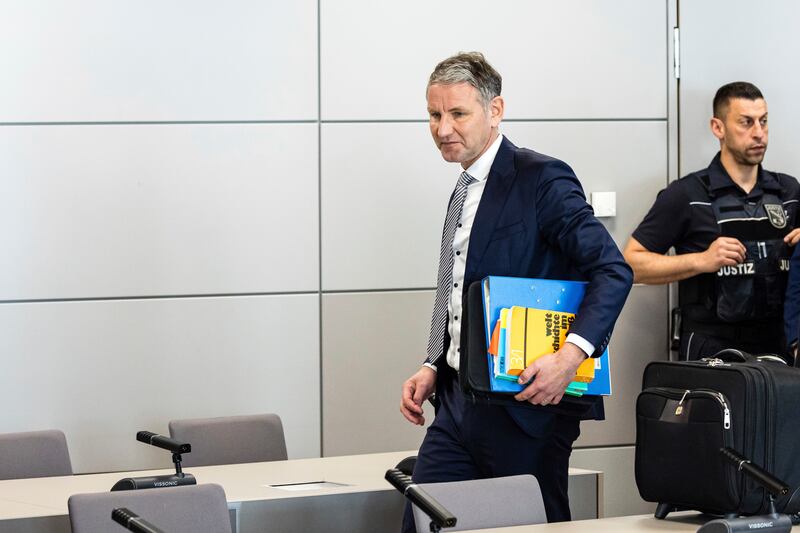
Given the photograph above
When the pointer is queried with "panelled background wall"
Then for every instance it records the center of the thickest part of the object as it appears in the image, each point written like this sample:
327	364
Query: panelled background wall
714	55
213	208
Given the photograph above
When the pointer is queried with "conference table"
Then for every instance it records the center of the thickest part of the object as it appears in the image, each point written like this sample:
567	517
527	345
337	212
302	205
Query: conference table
346	494
683	522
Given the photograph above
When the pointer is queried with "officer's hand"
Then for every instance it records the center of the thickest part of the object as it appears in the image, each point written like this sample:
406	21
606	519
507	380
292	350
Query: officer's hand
416	390
793	237
725	251
553	373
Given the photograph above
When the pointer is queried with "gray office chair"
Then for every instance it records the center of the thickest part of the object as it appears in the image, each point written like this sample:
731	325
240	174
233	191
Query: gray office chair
34	454
485	503
231	439
188	509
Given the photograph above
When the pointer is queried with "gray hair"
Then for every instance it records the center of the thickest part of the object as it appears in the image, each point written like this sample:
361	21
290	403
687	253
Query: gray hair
472	68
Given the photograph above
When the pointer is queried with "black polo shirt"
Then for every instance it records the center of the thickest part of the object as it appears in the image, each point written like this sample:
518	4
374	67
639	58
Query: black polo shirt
682	217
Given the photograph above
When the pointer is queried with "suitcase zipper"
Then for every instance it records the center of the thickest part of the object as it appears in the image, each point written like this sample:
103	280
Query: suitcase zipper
716	395
714	362
751	391
769	455
679	409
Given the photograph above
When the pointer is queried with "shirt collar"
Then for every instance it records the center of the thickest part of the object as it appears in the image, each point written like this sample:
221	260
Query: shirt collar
720	179
481	167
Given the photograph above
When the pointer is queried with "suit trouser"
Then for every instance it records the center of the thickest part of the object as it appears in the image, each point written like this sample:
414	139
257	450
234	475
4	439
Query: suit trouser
470	441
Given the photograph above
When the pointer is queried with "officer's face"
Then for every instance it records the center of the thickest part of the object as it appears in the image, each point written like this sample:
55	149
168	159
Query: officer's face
461	125
744	131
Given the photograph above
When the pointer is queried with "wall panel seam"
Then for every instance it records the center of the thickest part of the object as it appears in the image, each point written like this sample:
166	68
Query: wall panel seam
157	123
319	226
303	121
567	119
155	297
321	292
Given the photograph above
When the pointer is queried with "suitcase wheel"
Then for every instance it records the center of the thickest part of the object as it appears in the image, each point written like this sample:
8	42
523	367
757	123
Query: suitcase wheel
663	509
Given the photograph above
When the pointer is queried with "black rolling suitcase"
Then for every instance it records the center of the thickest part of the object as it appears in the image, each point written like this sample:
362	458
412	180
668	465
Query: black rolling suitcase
688	410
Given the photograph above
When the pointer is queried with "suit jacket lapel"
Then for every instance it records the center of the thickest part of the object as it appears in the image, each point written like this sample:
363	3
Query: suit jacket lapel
498	185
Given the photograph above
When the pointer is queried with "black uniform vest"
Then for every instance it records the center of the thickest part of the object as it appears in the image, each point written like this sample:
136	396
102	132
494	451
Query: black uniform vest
753	290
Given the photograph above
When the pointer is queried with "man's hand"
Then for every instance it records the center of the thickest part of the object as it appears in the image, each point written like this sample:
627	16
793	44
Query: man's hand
724	251
553	373
792	237
416	390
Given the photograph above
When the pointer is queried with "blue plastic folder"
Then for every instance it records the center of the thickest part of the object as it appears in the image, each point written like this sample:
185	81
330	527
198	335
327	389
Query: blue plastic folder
555	295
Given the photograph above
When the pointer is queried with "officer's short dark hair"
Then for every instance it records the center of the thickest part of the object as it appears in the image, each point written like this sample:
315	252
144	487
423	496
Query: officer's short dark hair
471	68
736	89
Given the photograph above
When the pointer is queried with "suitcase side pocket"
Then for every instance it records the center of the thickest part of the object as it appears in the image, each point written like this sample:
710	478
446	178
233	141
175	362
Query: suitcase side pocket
678	435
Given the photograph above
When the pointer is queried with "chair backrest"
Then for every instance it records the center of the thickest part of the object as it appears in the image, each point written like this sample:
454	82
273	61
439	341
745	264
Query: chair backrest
34	454
406	466
485	503
187	509
231	439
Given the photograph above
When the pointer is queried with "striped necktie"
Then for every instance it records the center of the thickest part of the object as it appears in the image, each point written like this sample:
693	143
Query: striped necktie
445	279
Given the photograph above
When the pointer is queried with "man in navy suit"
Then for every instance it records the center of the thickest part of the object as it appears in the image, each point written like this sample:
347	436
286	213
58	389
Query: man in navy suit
519	213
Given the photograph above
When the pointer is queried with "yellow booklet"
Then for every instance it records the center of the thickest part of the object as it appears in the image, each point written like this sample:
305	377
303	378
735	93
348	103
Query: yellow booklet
537	332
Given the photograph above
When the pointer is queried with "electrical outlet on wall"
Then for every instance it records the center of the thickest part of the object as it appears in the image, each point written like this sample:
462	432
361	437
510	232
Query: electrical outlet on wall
604	204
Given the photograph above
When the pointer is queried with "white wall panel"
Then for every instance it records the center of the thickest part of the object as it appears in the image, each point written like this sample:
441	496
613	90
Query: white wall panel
371	343
384	198
629	158
91	211
382	218
710	59
101	371
95	60
577	59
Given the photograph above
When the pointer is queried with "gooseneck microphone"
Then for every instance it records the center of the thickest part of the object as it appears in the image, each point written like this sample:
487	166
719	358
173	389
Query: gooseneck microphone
133	522
775	486
151	482
160	441
772	522
440	516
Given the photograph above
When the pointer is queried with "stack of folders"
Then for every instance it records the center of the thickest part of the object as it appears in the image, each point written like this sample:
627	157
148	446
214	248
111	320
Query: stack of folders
523	334
527	318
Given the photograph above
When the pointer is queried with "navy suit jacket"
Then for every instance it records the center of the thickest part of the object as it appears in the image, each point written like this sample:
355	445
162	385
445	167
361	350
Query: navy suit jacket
533	222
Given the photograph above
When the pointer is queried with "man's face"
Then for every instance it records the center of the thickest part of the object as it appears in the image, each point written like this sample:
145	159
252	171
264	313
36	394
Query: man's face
744	132
460	124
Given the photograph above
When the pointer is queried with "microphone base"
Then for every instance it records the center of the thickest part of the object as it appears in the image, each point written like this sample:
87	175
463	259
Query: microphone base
777	523
154	482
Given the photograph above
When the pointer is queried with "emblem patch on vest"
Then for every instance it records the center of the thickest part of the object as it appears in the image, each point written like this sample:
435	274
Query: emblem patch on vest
776	215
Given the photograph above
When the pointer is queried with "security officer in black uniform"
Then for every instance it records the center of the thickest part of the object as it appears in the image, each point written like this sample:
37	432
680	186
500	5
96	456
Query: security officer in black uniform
732	226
